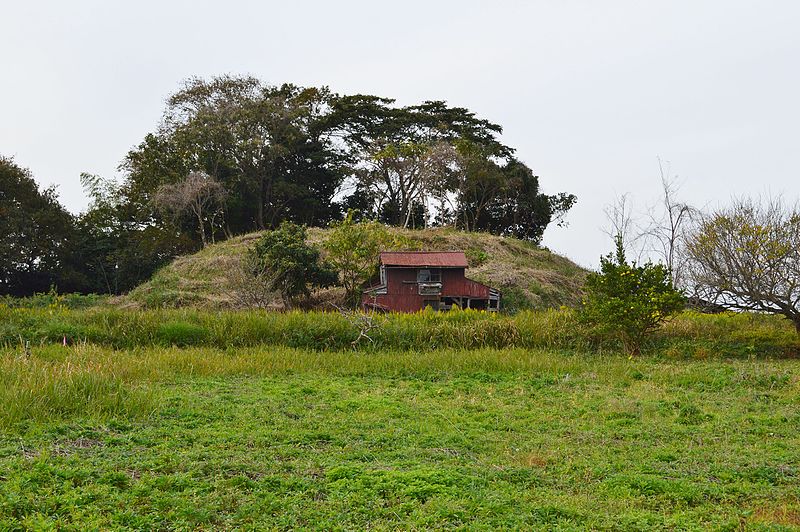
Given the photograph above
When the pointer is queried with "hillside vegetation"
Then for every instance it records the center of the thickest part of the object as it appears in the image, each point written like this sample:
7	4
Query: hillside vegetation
528	276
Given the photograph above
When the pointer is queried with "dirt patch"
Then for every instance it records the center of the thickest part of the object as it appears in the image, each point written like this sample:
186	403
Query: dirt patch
535	460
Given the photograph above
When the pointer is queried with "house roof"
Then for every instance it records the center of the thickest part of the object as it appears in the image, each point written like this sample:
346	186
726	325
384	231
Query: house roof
421	259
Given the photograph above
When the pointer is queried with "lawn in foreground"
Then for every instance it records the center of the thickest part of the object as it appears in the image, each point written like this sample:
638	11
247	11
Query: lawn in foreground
512	439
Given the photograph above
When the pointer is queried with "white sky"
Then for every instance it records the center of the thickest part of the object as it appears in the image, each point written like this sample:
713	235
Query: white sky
590	93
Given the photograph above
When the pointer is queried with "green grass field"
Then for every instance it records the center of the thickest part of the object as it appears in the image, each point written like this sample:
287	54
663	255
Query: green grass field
275	437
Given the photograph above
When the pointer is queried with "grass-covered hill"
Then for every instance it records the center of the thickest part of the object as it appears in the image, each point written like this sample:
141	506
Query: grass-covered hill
528	276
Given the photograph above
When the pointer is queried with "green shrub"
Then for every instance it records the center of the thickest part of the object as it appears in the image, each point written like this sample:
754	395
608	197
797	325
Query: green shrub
476	257
53	299
354	249
629	301
514	300
293	265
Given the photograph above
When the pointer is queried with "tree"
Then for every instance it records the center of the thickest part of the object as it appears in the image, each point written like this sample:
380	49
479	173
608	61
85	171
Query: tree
399	153
668	225
271	148
118	243
747	257
354	249
306	155
432	155
199	195
521	209
295	266
477	182
36	236
628	300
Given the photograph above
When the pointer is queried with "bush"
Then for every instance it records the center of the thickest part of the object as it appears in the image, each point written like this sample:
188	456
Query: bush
514	300
629	301
53	299
294	266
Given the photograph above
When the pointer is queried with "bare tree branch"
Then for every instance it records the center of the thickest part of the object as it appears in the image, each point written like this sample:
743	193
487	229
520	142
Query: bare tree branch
199	195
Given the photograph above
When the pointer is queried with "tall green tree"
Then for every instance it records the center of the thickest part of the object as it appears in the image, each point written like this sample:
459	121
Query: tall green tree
268	146
442	162
399	154
118	243
36	236
520	208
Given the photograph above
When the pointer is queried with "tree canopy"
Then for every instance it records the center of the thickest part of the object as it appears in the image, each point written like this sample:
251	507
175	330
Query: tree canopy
307	155
35	232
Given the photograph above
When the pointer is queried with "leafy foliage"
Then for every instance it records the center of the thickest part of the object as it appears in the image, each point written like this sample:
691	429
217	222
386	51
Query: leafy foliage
629	300
295	266
36	236
115	248
354	249
435	162
519	208
271	149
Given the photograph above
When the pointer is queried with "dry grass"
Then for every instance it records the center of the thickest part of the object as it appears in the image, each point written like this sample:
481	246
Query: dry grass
775	514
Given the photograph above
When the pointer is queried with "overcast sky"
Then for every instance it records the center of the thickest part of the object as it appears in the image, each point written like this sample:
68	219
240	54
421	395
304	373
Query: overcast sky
590	93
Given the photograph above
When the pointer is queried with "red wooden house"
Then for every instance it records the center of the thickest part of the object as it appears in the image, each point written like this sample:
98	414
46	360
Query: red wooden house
412	280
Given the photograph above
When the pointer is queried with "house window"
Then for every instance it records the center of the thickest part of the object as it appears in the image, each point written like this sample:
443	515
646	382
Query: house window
429	276
430	289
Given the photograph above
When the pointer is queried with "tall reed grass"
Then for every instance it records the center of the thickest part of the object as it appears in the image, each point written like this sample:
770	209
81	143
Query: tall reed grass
690	334
36	388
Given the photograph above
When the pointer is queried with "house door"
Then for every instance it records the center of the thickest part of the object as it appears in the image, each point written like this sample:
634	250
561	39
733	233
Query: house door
433	303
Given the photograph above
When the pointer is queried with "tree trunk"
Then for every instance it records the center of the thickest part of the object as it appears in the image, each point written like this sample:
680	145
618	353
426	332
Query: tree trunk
262	193
202	228
796	321
632	345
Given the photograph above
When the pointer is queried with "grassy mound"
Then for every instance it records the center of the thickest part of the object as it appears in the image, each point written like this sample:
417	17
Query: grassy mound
529	277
